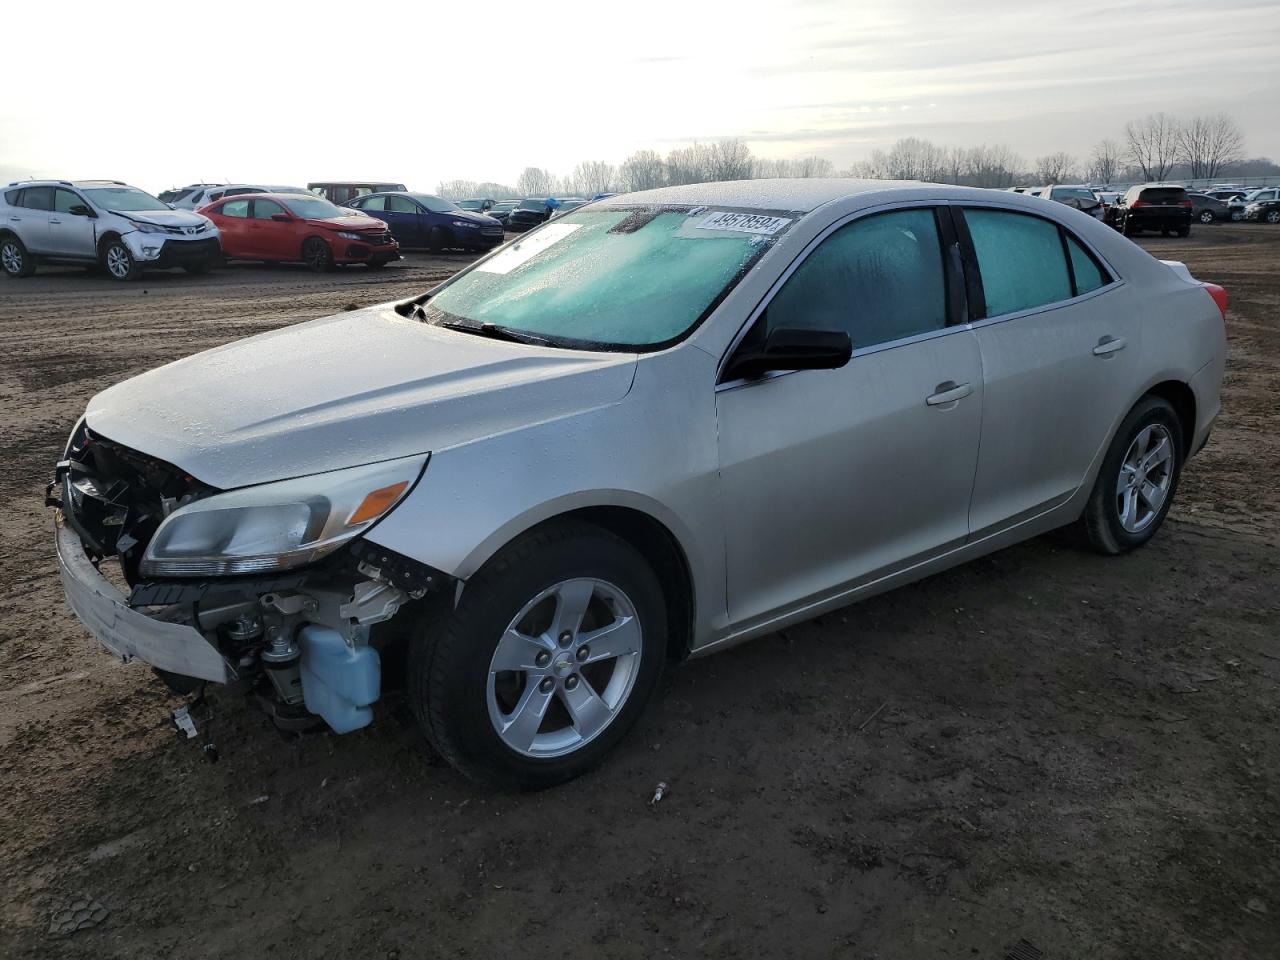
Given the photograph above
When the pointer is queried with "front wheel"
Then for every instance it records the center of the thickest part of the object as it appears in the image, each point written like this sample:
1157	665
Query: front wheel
119	261
15	259
546	662
317	256
437	239
1183	231
1138	479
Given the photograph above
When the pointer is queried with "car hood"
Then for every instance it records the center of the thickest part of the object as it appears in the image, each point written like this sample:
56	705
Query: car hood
166	218
346	390
480	219
350	223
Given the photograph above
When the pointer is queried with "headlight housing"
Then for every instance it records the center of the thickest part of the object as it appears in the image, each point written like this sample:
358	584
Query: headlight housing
349	236
277	526
465	223
147	227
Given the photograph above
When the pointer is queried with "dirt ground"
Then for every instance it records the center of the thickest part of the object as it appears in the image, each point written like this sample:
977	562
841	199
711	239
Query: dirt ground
1042	745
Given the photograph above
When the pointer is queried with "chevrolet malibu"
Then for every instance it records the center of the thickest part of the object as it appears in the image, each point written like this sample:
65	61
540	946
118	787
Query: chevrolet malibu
648	430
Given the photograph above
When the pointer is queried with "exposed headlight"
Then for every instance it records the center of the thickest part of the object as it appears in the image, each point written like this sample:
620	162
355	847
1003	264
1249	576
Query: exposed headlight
277	526
349	236
465	223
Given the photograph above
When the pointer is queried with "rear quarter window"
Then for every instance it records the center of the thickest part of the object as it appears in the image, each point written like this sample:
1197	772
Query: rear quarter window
11	197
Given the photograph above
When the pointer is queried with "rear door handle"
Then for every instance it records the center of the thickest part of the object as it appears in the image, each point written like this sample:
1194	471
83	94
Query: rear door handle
1109	345
948	392
55	221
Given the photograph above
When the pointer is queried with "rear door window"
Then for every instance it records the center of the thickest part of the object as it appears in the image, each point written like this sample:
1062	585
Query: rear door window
1020	259
879	279
38	198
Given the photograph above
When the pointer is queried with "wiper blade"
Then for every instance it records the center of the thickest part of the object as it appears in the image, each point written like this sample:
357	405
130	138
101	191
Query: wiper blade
493	331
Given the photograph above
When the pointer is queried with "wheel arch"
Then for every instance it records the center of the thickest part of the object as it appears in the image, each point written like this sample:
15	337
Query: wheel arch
1182	398
654	540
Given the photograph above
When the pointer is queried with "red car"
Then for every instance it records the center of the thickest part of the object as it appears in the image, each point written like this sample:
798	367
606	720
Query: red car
293	227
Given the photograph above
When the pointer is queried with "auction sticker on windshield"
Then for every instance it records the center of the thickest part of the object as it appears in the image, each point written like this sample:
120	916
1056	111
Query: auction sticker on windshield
744	223
522	251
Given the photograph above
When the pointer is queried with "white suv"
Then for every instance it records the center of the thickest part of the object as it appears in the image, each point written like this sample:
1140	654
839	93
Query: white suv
201	195
100	222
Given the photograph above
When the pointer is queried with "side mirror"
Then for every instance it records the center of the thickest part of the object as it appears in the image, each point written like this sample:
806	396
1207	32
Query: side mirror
793	348
281	217
80	210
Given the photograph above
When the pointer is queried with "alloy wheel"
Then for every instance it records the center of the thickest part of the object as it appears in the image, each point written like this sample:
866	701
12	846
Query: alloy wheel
1146	475
118	261
1273	216
564	668
11	257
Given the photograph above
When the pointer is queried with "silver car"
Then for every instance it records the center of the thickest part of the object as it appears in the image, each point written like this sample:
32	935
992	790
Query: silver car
652	428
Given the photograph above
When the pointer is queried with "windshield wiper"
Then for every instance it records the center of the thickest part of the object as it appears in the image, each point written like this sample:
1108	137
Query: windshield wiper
494	332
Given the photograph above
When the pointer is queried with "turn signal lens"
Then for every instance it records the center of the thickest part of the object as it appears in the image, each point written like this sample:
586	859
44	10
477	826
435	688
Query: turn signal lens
377	503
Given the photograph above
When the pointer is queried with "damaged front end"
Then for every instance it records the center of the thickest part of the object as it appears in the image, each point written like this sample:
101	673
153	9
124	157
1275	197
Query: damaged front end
269	587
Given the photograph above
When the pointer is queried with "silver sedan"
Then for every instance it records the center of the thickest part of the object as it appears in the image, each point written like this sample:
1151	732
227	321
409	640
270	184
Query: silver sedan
656	426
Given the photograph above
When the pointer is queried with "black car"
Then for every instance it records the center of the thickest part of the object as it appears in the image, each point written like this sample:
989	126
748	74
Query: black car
501	210
535	210
1207	209
1154	206
1264	211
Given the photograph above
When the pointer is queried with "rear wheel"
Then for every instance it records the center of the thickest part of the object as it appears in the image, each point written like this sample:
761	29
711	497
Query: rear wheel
119	261
1272	216
1138	479
547	661
317	256
1206	216
14	258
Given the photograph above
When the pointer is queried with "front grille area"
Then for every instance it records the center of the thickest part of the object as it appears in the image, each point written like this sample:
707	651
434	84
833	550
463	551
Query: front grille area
376	239
115	497
186	251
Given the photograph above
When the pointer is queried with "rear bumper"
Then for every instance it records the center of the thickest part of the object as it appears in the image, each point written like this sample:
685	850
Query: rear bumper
176	647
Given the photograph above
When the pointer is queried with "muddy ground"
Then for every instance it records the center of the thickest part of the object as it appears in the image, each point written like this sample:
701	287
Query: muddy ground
1042	745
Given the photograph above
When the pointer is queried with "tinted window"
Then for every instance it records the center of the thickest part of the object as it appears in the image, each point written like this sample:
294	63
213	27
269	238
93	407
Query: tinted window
401	205
64	200
879	279
1088	274
266	209
12	197
1163	195
1020	259
373	203
235	208
1073	193
38	198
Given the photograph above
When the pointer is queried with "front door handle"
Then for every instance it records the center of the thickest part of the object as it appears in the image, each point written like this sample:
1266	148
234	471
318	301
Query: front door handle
55	221
1109	345
948	392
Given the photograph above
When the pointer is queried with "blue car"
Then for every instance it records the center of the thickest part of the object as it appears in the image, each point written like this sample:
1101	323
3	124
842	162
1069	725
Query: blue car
424	220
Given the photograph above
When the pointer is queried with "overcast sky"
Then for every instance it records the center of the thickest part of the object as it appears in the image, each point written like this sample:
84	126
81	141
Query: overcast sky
164	94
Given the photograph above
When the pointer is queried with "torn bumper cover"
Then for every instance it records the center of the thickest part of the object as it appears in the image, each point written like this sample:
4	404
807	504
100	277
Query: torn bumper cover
176	647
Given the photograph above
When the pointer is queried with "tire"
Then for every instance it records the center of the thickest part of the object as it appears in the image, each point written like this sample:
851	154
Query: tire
118	261
1206	216
14	258
1103	523
1129	230
471	714
317	256
1183	231
1272	216
438	239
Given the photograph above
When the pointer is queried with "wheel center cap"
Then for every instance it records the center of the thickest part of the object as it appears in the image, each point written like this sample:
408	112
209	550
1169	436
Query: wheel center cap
563	666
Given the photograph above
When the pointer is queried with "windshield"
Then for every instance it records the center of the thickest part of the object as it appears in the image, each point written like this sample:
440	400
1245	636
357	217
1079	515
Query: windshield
616	278
123	199
435	204
315	209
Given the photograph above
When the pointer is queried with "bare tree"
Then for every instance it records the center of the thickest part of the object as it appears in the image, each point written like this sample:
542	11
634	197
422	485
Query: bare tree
1152	144
690	164
1054	167
591	177
463	189
536	182
643	170
730	160
792	168
990	166
1104	165
1207	144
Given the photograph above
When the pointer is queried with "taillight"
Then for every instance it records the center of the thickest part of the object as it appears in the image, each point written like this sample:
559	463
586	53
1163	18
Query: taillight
1219	295
1188	203
1138	203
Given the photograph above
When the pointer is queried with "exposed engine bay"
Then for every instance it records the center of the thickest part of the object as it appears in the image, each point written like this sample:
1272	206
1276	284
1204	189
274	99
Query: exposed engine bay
299	639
